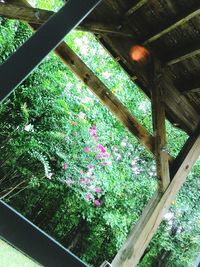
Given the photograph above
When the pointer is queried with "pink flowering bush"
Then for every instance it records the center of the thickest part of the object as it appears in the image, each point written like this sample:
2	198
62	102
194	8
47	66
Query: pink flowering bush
85	172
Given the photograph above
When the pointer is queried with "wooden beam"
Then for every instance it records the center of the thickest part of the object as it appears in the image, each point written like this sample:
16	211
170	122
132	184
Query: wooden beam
101	28
172	27
39	16
134	8
141	234
158	114
183	57
28	14
104	94
191	91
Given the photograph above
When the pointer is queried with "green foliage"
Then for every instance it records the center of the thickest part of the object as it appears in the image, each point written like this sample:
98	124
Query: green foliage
72	168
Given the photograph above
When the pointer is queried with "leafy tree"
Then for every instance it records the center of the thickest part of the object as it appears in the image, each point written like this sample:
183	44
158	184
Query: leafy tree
72	169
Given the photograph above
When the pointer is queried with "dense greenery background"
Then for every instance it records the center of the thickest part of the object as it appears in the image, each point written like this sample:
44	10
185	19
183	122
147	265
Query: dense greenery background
70	167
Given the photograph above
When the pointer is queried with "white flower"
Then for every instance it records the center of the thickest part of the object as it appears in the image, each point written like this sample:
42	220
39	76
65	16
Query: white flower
86	100
169	216
106	75
123	143
29	128
84	50
49	175
82	115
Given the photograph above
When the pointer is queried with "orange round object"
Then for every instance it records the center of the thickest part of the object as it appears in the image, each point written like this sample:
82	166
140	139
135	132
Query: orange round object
139	53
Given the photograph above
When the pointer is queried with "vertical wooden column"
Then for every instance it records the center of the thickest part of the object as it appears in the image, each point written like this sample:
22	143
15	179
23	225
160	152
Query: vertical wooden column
158	117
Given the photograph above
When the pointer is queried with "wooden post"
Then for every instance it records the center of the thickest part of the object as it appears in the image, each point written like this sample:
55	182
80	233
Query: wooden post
158	117
141	234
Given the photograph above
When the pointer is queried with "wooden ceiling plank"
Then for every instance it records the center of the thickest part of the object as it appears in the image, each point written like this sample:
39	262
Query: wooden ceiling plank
134	8
141	234
177	107
159	130
191	91
39	16
172	27
183	57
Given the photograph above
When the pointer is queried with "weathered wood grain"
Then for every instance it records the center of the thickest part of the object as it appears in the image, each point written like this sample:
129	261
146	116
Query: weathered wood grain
172	27
178	108
141	234
191	90
159	131
105	95
183	57
39	16
134	8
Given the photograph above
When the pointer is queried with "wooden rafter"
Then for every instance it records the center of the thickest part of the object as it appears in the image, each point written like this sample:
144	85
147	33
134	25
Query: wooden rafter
191	91
141	234
158	114
182	112
39	16
174	26
134	8
183	57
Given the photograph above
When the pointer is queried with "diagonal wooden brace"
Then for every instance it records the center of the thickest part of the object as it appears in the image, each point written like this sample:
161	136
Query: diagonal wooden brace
141	233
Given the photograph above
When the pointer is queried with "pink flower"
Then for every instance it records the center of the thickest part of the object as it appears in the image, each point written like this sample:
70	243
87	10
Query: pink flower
86	149
81	172
97	202
94	128
105	163
81	180
90	167
65	165
88	196
105	155
97	190
94	134
99	156
101	148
